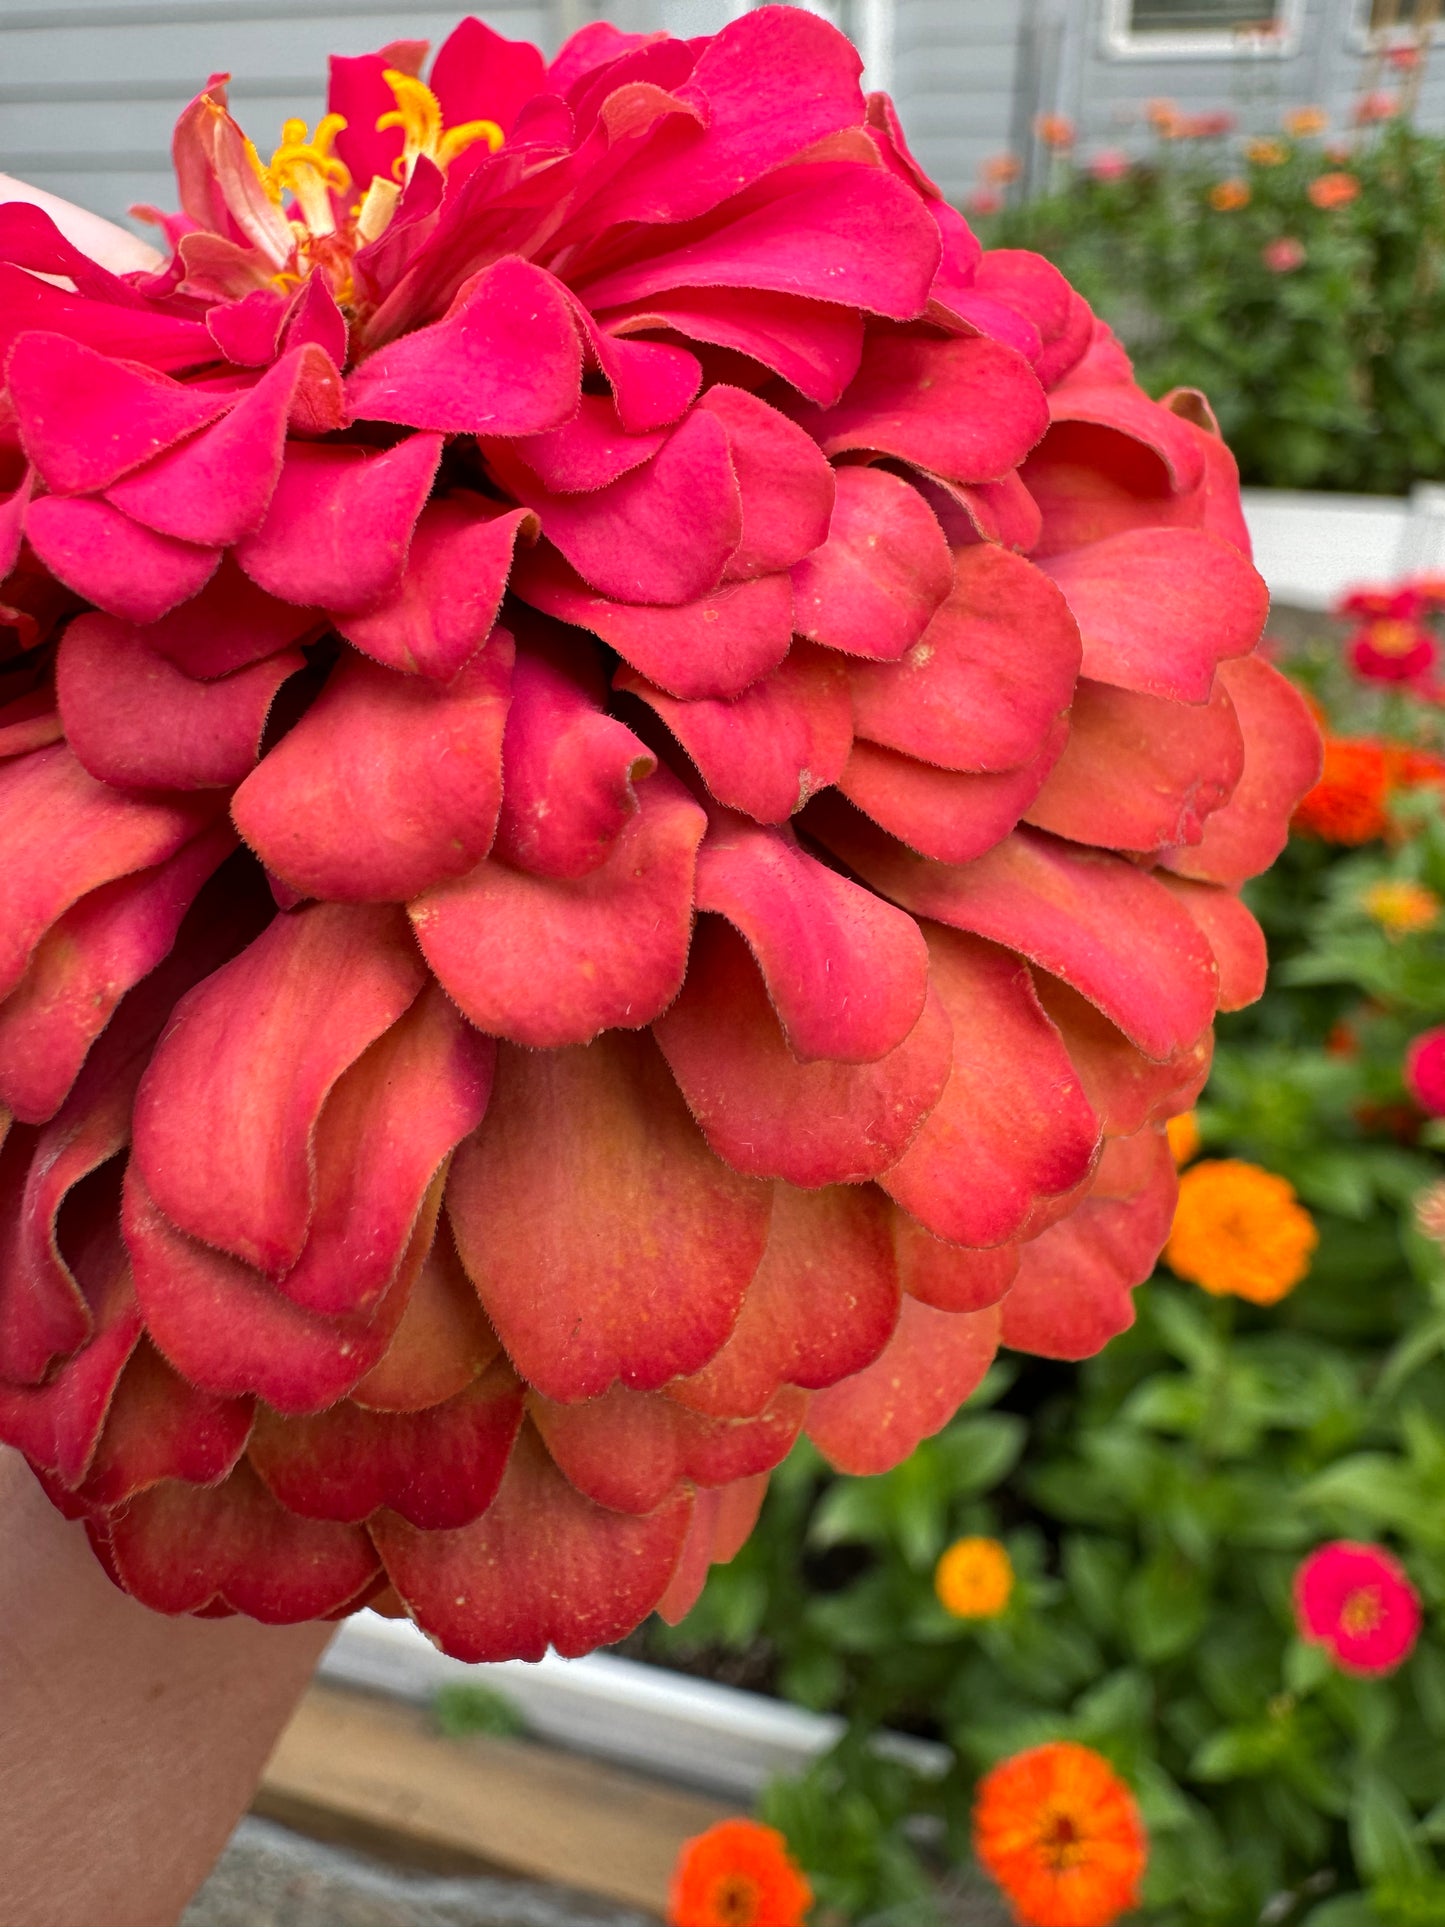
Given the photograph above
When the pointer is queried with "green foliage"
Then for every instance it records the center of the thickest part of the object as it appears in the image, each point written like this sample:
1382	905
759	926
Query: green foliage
1331	375
464	1710
1156	1502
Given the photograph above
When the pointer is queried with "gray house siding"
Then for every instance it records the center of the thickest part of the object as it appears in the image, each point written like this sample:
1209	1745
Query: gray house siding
89	88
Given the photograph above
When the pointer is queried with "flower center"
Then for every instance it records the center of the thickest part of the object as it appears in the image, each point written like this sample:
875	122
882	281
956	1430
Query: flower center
1389	637
305	167
418	113
735	1901
1062	1841
1362	1612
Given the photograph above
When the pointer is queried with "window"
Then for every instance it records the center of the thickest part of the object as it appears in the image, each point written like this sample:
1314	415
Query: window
1211	29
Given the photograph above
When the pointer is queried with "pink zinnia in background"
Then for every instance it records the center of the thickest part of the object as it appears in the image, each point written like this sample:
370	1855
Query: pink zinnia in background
1425	1070
1284	255
1358	1603
1109	164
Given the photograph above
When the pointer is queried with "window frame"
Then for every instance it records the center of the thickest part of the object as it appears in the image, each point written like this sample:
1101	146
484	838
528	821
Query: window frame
1364	39
1122	42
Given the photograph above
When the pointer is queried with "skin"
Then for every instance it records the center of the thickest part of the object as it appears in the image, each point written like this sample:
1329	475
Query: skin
133	1742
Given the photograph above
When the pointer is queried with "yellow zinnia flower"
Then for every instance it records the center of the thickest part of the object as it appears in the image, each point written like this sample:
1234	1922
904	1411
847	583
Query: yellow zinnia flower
974	1579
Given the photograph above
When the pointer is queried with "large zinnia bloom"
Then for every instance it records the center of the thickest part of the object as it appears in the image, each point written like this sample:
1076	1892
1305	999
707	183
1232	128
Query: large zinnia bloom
627	770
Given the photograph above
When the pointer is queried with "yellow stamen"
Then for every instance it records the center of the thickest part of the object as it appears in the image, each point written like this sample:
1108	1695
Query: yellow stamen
306	167
418	113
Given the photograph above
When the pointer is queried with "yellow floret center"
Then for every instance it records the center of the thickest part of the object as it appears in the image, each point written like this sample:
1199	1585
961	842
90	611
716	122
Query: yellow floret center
418	113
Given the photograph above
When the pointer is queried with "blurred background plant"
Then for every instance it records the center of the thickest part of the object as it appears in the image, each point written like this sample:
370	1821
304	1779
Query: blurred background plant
1111	1554
1298	278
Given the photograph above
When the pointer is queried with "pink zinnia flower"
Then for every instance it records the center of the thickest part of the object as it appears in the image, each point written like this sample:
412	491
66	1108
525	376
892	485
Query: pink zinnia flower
1109	164
1358	1603
1391	649
984	201
1425	1070
1283	255
595	703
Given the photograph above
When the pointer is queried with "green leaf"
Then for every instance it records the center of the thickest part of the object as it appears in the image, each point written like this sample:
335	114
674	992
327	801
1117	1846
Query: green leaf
1382	1831
1165	1605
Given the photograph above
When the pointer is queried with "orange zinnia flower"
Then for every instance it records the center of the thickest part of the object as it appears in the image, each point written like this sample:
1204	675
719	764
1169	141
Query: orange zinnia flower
1400	906
1266	152
1333	190
1002	169
974	1579
1240	1232
737	1874
1060	1833
1183	1135
1055	130
1347	805
1226	196
1305	121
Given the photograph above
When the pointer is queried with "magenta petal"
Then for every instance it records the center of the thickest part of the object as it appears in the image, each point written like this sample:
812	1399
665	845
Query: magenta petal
547	961
1127	410
953	816
127	570
873	584
456	574
847	973
568	768
787	487
228	626
661	533
1159	609
84	965
64	835
159	1427
30	722
765	1112
226	1111
652	382
387	784
766	751
136	722
160	341
1093	919
1013	1124
337	531
12	522
715	646
814	345
990	675
506	360
46	1313
968	409
217	487
85	419
587	452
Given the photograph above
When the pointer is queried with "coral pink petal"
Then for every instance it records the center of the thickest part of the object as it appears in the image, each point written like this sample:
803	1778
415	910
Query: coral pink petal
1281	762
85	419
968	409
85	963
389	1123
177	1547
127	570
228	626
159	1427
442	1343
387	785
1233	935
1127	1089
872	587
846	972
1140	772
1160	609
717	645
661	533
606	1241
1074	1289
228	1331
950	815
548	961
45	1310
30	722
821	1306
1089	483
787	487
340	521
137	722
568	768
217	487
829	230
766	751
629	1450
226	1112
1093	919
947	1276
506	360
814	345
768	1114
1129	411
443	610
64	835
1013	1123
987	679
542	1567
723	1518
932	1364
438	1469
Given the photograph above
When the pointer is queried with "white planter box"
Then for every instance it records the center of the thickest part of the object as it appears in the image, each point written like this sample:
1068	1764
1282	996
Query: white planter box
1310	548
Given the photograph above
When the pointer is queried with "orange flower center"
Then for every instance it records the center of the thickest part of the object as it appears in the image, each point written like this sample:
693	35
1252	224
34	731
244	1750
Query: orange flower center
1391	637
1362	1612
735	1901
1063	1841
